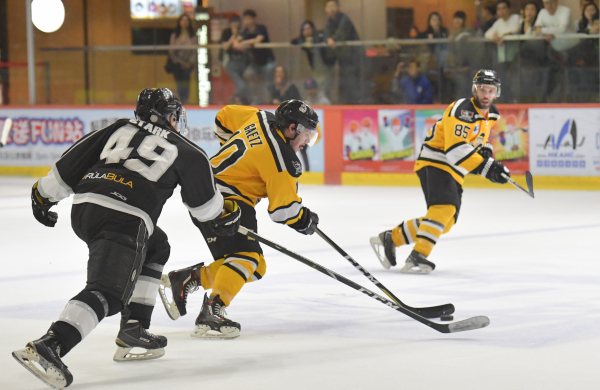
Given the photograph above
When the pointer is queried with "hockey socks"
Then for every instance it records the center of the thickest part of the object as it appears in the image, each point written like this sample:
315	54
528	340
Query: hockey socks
438	220
81	315
406	232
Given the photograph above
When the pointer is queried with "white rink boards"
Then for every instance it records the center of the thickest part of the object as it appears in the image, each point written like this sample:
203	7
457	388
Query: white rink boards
531	265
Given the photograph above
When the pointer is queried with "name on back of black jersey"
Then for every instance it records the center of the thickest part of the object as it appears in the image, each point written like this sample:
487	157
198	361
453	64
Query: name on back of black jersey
150	128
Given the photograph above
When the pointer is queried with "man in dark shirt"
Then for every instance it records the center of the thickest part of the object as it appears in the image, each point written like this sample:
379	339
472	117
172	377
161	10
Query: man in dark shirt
415	87
339	28
237	60
262	61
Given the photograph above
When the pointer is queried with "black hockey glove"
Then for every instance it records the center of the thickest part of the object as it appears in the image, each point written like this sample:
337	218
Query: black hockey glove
41	208
227	224
493	170
307	223
486	151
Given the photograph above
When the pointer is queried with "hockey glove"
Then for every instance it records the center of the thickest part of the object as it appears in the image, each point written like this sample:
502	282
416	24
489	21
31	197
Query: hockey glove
307	223
228	223
41	208
486	151
493	170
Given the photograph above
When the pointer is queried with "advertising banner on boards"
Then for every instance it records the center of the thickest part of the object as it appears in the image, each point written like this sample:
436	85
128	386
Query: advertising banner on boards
564	142
40	136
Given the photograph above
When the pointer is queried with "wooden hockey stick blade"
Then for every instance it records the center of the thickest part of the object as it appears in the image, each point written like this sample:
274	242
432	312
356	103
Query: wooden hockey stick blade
5	131
427	312
511	181
529	180
459	326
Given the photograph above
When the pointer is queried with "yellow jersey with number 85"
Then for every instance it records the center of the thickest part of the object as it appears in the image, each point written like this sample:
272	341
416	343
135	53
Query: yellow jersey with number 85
452	143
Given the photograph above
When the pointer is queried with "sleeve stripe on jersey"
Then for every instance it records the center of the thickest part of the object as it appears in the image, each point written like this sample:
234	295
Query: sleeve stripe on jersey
209	210
458	103
230	190
493	116
225	129
53	187
271	141
459	153
114	204
286	213
468	156
456	145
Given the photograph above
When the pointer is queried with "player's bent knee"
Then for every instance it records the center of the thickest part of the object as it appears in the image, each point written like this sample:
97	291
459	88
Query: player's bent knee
113	266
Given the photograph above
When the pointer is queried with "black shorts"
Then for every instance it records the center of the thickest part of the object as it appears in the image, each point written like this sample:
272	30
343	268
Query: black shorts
117	243
440	188
221	245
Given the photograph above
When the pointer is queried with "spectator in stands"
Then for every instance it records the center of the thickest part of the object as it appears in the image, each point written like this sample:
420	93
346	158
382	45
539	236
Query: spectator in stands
435	28
309	36
339	28
506	24
553	20
235	59
240	99
582	5
181	62
281	89
415	87
488	15
414	32
530	13
314	96
459	24
262	61
585	24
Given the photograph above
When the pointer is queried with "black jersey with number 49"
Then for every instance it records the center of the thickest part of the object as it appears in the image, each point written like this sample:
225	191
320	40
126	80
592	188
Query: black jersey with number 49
133	166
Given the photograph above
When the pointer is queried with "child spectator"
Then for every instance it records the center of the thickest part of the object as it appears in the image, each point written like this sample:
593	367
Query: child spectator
314	96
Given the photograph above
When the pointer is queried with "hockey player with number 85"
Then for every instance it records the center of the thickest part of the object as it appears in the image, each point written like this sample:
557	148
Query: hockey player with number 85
455	146
121	176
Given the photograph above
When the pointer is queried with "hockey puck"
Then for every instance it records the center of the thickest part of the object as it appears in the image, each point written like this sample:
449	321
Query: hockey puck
446	318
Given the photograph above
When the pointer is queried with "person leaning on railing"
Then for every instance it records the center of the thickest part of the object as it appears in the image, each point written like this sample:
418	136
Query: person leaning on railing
236	59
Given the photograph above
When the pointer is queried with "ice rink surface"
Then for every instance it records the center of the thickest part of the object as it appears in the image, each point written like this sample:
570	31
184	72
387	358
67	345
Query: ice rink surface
531	265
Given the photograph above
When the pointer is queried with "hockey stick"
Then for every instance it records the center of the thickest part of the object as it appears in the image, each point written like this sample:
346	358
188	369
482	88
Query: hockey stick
427	312
453	327
528	179
5	131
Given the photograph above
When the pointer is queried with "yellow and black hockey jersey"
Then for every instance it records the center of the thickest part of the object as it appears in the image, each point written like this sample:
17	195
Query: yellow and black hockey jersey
452	143
256	161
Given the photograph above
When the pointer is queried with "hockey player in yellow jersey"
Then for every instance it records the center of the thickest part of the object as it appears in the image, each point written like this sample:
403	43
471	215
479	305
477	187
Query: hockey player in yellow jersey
257	159
455	146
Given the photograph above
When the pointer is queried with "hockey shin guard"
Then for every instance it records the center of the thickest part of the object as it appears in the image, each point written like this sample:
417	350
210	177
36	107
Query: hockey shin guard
433	226
232	275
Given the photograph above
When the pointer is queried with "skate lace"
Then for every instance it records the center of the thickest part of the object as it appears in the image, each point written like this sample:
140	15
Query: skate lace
148	334
220	311
190	288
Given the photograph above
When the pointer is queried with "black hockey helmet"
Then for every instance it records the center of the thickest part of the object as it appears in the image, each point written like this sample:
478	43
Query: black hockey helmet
156	105
487	77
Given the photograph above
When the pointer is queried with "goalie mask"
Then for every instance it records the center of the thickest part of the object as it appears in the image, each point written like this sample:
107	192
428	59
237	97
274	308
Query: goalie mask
156	105
299	113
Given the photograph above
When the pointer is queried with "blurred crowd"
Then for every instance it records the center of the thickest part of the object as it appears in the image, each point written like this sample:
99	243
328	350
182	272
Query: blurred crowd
533	70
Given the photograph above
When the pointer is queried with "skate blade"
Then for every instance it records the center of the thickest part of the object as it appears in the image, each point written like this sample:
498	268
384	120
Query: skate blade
125	355
377	246
417	269
52	377
170	307
204	332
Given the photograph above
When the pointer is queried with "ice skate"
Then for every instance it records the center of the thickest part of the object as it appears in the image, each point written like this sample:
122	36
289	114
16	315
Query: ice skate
417	263
384	248
181	282
133	335
212	323
42	358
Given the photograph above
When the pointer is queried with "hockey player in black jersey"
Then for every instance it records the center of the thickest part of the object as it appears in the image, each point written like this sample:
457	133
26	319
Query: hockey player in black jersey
121	176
